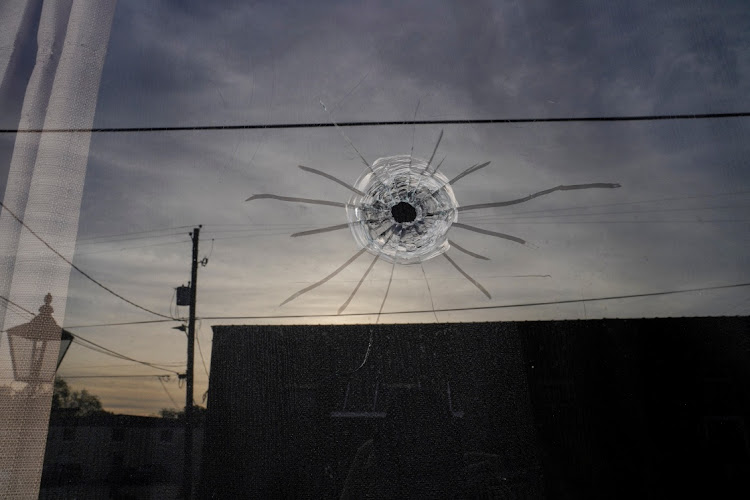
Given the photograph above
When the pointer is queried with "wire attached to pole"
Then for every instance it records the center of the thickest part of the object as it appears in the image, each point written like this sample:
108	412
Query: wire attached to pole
84	273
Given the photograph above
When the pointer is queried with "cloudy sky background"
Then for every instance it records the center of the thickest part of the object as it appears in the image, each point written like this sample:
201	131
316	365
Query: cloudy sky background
678	221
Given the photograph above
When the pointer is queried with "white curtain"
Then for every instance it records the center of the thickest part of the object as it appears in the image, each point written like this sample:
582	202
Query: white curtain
44	189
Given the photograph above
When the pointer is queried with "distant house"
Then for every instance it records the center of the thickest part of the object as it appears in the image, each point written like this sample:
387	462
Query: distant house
564	409
114	455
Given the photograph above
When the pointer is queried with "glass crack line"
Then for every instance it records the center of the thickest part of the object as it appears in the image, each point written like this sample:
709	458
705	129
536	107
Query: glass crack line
490	233
364	276
413	133
385	297
434	150
466	172
332	178
471	280
429	291
349	141
439	165
318	283
425	171
321	230
296	200
337	227
356	288
367	164
455	245
596	185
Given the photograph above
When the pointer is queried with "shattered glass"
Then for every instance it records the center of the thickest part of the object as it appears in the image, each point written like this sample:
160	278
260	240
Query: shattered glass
404	210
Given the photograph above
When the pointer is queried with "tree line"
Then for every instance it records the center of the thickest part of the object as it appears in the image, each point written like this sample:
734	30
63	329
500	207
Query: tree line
66	401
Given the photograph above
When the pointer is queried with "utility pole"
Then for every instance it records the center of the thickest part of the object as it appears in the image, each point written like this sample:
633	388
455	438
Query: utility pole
188	462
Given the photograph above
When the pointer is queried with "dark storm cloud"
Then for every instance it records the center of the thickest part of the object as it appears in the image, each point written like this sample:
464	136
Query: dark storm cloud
587	57
274	60
163	56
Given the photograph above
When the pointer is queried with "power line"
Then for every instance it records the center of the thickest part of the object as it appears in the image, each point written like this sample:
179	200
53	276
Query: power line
103	241
163	385
87	238
252	236
88	276
124	323
105	350
101	349
17	311
260	230
78	254
16	305
481	308
113	376
252	230
176	364
269	126
106	353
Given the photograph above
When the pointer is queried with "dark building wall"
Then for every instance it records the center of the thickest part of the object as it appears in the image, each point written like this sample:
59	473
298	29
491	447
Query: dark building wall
286	414
563	409
641	408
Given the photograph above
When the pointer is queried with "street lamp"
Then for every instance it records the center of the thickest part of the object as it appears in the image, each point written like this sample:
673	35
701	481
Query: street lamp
65	340
28	345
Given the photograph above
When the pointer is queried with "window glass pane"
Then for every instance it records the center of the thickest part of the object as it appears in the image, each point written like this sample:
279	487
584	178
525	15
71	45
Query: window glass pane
391	224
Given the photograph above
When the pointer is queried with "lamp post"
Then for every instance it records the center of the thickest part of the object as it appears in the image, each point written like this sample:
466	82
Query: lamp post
65	340
24	434
29	342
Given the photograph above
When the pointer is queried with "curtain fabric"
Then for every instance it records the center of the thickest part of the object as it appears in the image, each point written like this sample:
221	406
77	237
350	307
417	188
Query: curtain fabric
44	189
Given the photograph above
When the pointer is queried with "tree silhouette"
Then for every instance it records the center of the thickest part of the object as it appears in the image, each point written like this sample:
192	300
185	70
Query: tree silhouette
199	413
78	403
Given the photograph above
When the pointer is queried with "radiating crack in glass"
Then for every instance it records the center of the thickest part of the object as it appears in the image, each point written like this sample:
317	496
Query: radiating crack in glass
491	233
330	177
321	230
297	200
429	291
471	280
318	283
596	185
405	223
455	245
425	173
356	288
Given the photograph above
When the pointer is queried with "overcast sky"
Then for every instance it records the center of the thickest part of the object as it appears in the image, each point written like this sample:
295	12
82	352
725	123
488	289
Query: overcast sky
678	221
